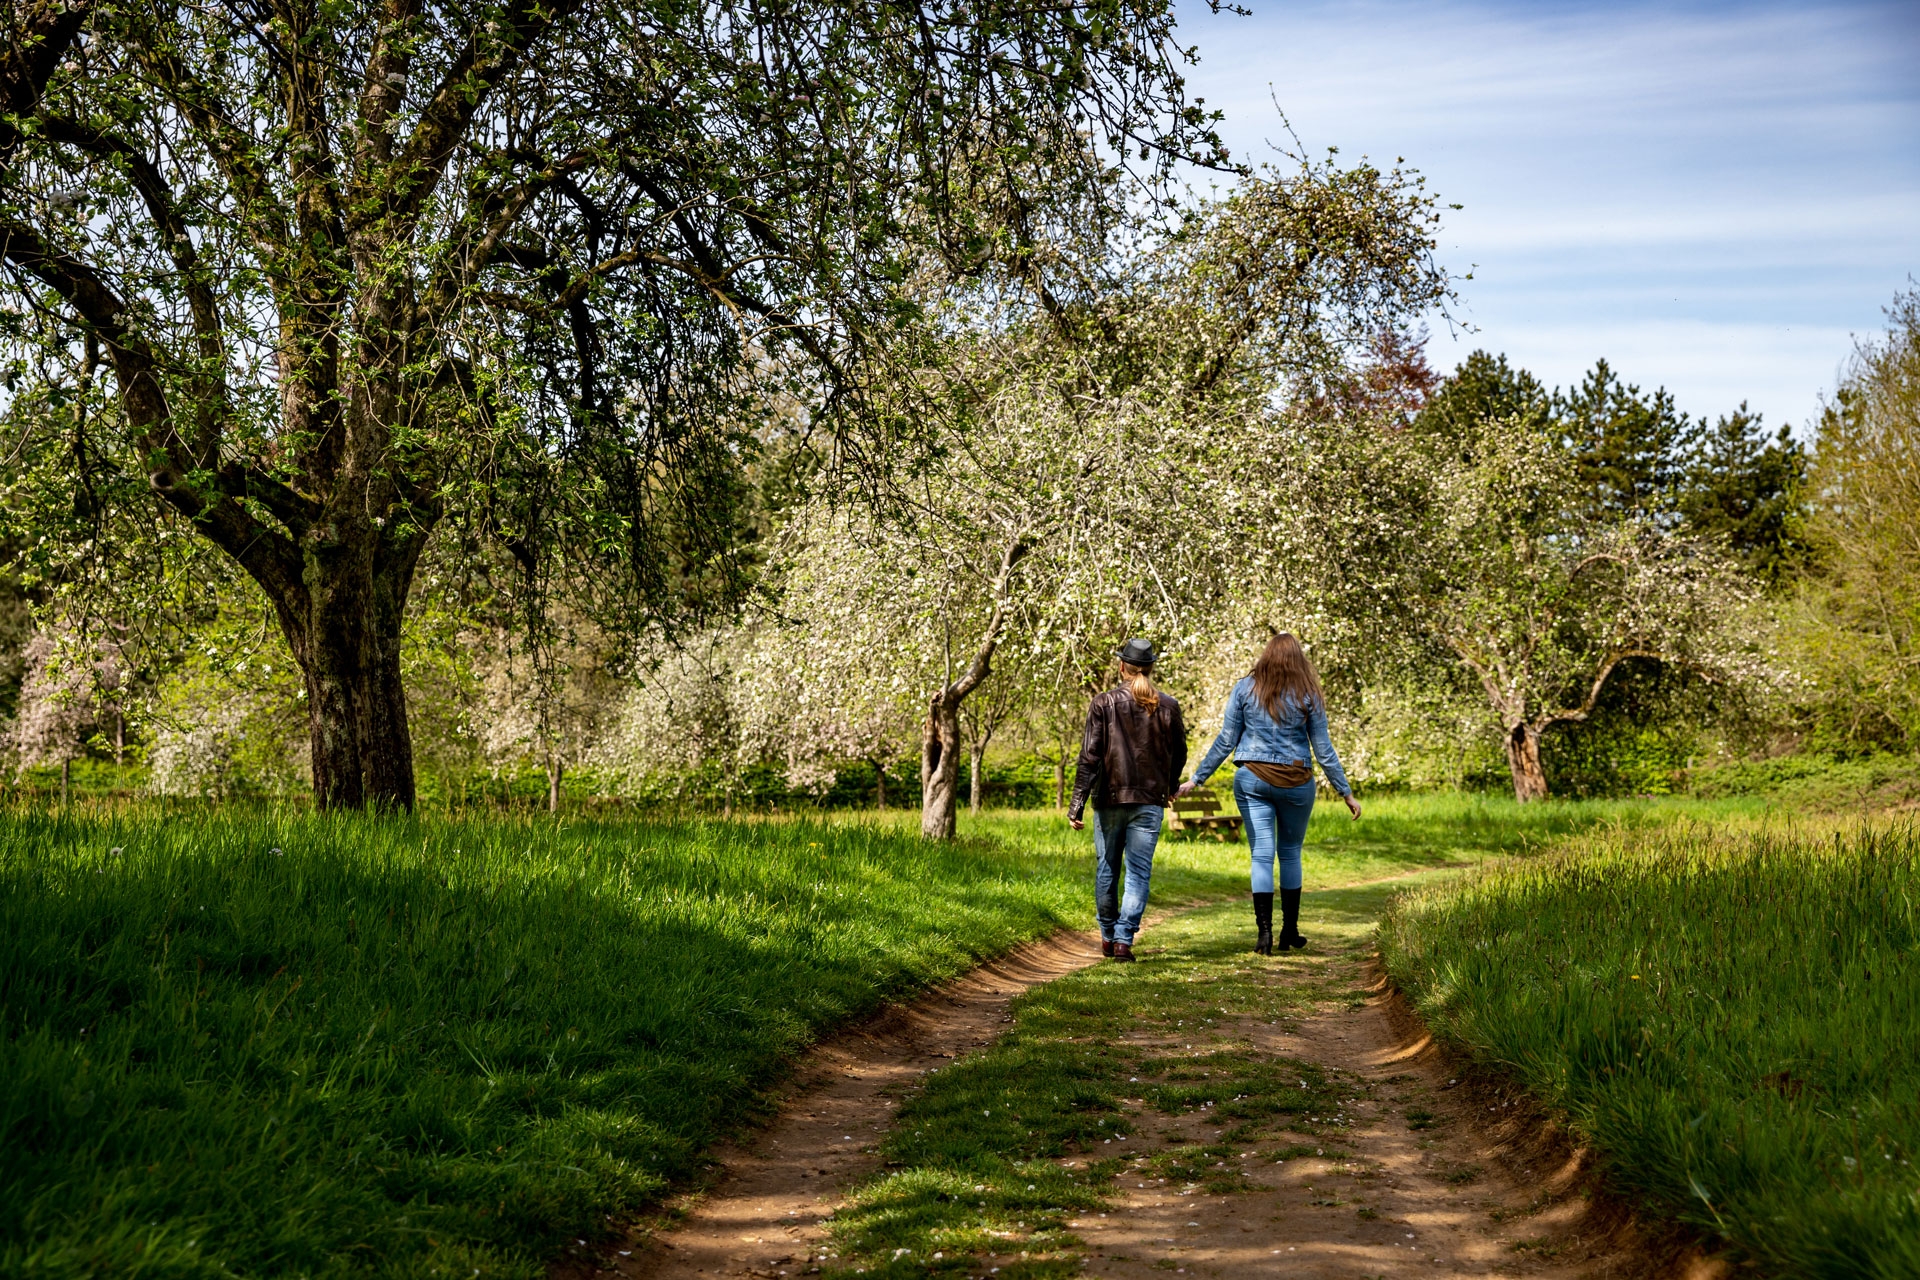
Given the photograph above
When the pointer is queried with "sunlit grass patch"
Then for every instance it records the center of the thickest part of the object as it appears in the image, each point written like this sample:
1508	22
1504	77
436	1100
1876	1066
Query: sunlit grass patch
1731	1014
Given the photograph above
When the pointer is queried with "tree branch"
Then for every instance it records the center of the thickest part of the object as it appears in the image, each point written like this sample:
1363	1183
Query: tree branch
1547	718
158	195
39	33
230	145
270	557
982	665
414	174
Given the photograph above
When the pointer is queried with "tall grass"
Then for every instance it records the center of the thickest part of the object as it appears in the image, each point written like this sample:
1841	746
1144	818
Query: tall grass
286	1046
1731	1015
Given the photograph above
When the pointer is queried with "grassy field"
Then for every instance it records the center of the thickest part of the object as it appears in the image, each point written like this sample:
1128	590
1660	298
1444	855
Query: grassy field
1399	835
1730	1013
241	1043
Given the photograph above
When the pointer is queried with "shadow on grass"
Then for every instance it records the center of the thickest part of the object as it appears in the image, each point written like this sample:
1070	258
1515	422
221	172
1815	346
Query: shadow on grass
241	1043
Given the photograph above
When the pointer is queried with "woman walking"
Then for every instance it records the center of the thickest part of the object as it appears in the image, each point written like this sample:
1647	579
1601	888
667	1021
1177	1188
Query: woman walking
1131	754
1276	725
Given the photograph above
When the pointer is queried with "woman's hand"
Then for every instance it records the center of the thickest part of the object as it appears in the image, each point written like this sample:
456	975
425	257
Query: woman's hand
1186	789
1353	807
1077	823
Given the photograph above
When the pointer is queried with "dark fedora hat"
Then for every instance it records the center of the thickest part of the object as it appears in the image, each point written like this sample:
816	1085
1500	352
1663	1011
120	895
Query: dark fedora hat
1136	652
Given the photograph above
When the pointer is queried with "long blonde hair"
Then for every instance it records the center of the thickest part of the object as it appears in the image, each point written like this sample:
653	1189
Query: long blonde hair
1285	673
1140	686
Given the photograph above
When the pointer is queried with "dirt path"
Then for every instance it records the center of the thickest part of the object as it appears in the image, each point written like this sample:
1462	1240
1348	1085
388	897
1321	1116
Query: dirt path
1423	1183
766	1206
1422	1187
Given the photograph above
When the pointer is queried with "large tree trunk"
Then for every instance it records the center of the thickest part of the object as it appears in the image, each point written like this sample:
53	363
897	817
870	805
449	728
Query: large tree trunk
1523	760
361	749
940	767
343	625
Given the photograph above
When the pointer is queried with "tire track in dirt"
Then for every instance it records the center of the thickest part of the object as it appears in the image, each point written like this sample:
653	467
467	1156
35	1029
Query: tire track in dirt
1420	1181
773	1190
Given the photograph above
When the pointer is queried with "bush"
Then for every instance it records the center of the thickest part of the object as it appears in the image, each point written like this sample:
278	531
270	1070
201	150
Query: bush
1818	783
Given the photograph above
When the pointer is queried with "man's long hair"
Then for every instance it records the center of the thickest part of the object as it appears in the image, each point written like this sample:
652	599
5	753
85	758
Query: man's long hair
1284	674
1140	685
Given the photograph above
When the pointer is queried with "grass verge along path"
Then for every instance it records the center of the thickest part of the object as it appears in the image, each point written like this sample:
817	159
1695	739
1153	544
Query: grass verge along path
259	1045
1731	1016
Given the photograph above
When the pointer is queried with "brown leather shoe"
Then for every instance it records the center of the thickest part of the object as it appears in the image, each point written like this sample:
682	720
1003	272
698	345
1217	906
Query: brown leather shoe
1123	952
1106	946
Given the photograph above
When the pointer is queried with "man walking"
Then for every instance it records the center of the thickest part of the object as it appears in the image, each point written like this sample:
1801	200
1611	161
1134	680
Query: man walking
1131	755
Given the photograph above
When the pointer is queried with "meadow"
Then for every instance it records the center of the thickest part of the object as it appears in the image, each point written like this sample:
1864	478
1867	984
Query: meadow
327	1046
1730	1013
242	1042
271	1044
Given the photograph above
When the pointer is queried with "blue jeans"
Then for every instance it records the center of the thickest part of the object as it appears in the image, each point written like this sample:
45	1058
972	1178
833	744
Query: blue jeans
1123	836
1276	822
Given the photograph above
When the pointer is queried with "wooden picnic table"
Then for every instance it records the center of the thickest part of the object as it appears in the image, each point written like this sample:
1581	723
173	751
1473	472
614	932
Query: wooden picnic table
1200	813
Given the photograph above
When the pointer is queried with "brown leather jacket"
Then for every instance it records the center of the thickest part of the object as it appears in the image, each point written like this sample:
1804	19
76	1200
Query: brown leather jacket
1128	756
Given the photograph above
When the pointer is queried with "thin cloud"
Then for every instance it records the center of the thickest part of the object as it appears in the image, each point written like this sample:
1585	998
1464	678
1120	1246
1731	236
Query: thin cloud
1737	183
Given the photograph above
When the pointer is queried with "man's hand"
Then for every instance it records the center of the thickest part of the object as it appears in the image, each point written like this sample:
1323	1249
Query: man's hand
1077	823
1186	789
1353	807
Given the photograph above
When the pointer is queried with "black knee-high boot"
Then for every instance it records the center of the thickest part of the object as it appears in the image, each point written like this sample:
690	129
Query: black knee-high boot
1263	921
1290	920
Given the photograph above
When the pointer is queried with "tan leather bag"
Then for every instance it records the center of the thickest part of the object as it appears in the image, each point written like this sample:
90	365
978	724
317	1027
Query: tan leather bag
1278	775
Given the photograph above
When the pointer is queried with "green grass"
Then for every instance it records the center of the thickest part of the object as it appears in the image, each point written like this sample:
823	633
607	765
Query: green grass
236	1042
1811	783
1731	1015
241	1044
1399	834
990	1158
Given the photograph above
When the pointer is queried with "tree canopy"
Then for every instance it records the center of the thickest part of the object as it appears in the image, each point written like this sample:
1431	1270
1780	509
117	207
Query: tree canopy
316	283
1098	466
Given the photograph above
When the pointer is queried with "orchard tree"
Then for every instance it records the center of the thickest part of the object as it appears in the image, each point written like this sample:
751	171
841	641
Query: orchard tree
1858	623
334	278
1087	474
992	705
832	671
682	716
61	698
1488	550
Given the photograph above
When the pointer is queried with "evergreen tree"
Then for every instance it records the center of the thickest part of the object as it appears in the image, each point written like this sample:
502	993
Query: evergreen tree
1628	445
1744	486
1484	388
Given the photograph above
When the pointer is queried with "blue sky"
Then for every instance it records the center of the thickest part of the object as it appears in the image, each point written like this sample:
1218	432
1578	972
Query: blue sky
1716	198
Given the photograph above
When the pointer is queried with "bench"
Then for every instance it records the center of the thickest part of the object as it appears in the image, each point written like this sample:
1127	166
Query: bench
1200	813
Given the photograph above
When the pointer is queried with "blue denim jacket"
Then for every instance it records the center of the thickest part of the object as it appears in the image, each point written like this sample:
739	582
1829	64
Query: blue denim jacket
1251	734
